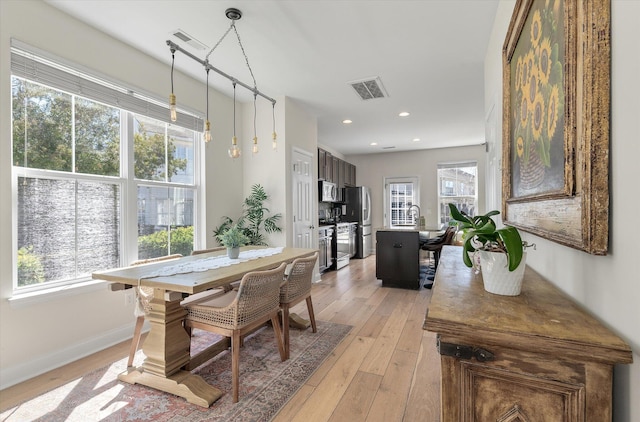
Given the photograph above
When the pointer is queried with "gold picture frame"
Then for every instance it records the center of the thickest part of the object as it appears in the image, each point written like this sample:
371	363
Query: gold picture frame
556	108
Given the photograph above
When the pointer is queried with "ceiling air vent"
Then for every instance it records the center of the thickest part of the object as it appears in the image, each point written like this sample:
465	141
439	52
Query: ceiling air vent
368	89
183	36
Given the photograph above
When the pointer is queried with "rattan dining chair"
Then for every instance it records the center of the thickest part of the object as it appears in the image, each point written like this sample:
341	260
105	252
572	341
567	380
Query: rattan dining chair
143	304
237	313
295	289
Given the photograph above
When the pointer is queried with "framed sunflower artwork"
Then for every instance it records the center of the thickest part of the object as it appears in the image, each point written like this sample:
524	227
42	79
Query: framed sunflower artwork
556	104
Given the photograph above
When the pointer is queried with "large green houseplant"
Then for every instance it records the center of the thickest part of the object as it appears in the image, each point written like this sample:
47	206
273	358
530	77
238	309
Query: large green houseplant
481	233
254	219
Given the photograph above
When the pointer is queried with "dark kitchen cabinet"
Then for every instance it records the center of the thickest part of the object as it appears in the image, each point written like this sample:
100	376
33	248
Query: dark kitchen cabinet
328	167
350	175
322	164
335	169
332	169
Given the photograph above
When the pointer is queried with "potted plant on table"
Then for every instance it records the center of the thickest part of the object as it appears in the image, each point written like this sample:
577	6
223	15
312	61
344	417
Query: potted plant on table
233	238
502	251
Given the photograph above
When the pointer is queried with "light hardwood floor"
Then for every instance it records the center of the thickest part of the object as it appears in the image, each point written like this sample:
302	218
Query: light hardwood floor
386	369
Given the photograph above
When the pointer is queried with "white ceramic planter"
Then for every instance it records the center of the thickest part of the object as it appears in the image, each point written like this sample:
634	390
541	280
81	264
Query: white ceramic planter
233	253
496	275
475	261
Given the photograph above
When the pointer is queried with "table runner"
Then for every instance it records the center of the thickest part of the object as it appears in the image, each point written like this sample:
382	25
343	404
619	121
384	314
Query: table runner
211	263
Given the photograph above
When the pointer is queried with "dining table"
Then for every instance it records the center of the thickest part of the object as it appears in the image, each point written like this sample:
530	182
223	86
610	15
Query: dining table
168	361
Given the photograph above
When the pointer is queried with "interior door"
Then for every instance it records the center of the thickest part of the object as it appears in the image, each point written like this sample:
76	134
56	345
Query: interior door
303	200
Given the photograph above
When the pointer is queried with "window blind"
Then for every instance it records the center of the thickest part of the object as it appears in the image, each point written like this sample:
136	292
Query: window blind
38	69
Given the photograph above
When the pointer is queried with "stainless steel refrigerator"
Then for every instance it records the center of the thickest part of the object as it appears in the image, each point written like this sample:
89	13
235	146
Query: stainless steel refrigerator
358	210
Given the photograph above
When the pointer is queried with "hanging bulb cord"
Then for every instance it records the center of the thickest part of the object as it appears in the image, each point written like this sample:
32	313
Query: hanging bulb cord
173	59
234	108
207	94
255	96
273	115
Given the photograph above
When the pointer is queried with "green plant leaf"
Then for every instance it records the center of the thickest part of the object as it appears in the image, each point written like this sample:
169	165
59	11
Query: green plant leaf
458	216
480	232
513	244
252	221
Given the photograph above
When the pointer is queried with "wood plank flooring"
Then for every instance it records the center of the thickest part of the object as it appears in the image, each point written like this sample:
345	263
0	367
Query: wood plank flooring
387	369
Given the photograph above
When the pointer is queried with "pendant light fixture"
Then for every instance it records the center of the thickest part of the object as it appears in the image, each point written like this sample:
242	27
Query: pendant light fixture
274	142
255	137
233	14
234	151
207	124
172	96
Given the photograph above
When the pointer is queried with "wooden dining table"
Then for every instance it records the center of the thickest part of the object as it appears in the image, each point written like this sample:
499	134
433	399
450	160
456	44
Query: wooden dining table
166	348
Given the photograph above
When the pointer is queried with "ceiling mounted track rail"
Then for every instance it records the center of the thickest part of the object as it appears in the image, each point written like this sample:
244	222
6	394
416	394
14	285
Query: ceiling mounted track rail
175	47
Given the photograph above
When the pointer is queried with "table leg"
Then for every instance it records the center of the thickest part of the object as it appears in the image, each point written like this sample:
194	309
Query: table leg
167	350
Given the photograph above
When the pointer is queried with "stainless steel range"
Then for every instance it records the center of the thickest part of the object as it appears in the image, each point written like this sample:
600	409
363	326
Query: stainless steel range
342	249
325	245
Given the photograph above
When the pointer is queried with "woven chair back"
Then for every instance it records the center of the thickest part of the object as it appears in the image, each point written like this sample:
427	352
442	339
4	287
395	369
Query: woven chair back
258	294
298	283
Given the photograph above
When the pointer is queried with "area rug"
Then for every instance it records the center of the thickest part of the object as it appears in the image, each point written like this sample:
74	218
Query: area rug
427	274
266	384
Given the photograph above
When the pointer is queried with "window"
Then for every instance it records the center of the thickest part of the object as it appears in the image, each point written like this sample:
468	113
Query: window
457	184
74	172
401	199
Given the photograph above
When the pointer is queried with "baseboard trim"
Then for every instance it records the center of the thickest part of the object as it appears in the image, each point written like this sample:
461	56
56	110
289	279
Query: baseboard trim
18	373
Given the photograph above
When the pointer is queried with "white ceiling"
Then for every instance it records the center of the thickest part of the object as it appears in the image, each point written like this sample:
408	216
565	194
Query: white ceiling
428	54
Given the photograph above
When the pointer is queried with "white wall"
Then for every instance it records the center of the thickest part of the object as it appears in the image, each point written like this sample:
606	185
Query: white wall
35	337
371	169
295	128
301	132
607	286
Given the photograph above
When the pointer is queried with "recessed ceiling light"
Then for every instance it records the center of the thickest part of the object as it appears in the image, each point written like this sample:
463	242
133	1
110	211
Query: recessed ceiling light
347	121
373	144
403	114
416	139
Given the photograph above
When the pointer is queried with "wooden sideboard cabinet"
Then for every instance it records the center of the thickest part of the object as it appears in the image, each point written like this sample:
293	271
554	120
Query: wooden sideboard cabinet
536	357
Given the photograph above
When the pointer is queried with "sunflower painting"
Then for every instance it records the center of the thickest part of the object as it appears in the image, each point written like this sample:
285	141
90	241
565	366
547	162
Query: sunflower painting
537	102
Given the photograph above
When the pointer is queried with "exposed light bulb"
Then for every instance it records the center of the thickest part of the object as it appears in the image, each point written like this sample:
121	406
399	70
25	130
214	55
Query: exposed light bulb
207	131
172	107
274	143
234	151
255	145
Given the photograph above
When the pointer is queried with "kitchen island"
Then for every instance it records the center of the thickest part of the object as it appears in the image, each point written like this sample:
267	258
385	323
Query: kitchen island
398	258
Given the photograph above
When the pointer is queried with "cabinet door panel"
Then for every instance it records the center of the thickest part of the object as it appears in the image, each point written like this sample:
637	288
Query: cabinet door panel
492	394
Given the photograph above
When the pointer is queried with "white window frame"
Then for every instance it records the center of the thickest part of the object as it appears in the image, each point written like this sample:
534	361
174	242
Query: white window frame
34	65
443	200
388	200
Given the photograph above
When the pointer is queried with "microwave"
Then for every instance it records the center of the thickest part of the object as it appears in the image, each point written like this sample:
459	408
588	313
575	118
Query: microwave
328	191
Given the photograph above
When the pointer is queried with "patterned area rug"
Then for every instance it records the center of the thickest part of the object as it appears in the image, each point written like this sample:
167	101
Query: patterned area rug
266	384
427	274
